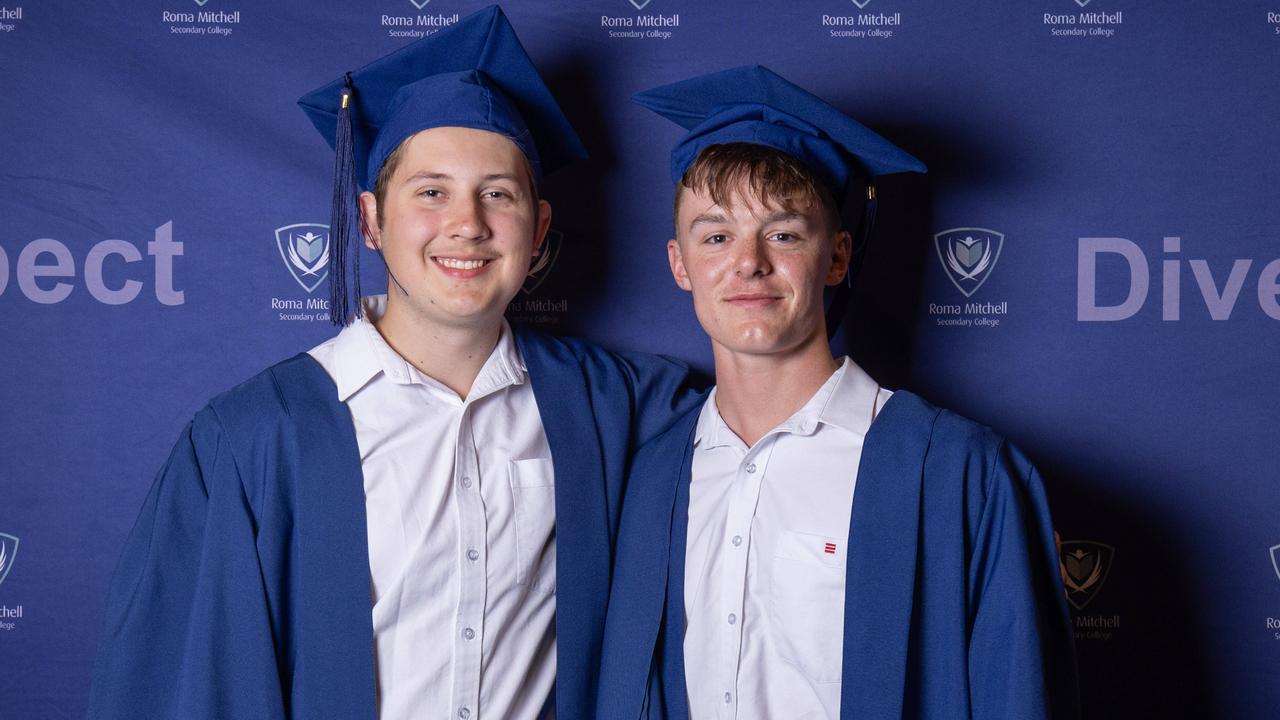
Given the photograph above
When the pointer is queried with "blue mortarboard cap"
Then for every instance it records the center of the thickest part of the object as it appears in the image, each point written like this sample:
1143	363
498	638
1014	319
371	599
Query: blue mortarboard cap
473	74
755	105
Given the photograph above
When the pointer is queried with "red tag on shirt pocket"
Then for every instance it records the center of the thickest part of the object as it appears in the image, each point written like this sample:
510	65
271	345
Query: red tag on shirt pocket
810	547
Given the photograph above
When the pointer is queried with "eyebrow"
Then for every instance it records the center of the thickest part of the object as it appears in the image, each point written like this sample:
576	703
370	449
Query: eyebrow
707	219
782	216
428	176
445	176
712	218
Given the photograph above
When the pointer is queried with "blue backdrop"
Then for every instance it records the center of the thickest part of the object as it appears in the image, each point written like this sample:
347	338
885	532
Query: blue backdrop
1091	267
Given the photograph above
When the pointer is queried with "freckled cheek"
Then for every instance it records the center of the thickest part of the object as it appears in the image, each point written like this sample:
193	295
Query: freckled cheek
706	286
801	277
712	272
705	306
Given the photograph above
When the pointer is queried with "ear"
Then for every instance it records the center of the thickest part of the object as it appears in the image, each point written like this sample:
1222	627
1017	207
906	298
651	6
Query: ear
543	225
841	254
676	259
369	221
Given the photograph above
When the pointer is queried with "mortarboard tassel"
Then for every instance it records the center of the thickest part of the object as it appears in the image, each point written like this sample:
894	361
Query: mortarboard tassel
843	293
344	223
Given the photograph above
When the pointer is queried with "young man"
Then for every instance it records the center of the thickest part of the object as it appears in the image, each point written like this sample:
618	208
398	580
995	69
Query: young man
416	518
809	544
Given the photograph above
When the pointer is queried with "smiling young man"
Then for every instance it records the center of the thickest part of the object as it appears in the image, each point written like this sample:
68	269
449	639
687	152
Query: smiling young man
809	544
456	217
416	518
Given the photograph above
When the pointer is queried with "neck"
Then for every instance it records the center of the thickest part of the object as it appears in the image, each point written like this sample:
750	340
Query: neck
451	354
756	393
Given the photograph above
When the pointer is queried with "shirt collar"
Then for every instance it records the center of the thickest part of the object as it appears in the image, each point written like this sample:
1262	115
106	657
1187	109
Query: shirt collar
851	404
356	357
505	366
847	400
361	354
711	427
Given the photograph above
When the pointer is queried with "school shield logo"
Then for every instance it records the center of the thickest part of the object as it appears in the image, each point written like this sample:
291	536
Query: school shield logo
304	247
8	553
1275	561
640	4
968	255
1082	3
1084	565
546	260
861	3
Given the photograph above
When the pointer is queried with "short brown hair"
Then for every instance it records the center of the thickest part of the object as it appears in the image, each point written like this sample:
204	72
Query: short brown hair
385	174
772	176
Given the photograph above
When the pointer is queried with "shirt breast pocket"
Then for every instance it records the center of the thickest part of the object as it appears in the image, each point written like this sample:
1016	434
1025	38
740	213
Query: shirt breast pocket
533	493
806	602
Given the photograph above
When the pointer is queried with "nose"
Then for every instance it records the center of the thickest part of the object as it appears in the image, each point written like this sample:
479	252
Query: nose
751	258
465	219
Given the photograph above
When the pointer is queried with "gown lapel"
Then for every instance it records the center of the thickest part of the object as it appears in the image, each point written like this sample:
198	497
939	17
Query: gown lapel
636	661
582	517
334	668
883	553
672	651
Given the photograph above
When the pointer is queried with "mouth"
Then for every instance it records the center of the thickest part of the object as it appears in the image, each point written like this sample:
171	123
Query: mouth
752	300
461	267
462	263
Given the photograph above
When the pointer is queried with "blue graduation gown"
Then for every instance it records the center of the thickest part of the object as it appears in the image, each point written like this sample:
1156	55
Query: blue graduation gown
244	588
953	604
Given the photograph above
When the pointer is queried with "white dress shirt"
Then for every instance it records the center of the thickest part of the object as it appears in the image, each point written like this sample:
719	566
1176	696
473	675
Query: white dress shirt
765	557
460	502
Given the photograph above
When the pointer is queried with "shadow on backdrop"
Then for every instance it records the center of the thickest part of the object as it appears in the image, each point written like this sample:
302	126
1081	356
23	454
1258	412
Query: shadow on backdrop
1144	608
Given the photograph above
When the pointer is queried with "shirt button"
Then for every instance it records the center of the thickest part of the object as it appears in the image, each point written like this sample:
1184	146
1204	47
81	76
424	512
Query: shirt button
728	698
469	634
473	555
751	467
737	540
464	713
466	483
732	618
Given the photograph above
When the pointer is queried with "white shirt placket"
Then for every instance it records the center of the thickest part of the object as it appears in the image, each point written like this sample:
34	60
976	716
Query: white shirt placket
743	499
472	549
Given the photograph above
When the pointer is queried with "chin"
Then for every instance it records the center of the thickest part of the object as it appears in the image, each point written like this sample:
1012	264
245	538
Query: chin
456	312
757	340
474	322
751	344
477	311
468	301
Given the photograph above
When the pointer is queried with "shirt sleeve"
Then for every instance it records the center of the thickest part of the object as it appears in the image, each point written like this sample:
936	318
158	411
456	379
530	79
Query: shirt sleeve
187	632
1021	658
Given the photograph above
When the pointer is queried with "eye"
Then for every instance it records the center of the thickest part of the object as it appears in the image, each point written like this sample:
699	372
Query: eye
715	239
498	195
783	237
430	193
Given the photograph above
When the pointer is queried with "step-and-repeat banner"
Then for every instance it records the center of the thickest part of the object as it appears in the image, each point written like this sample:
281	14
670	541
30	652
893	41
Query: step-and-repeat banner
1091	266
